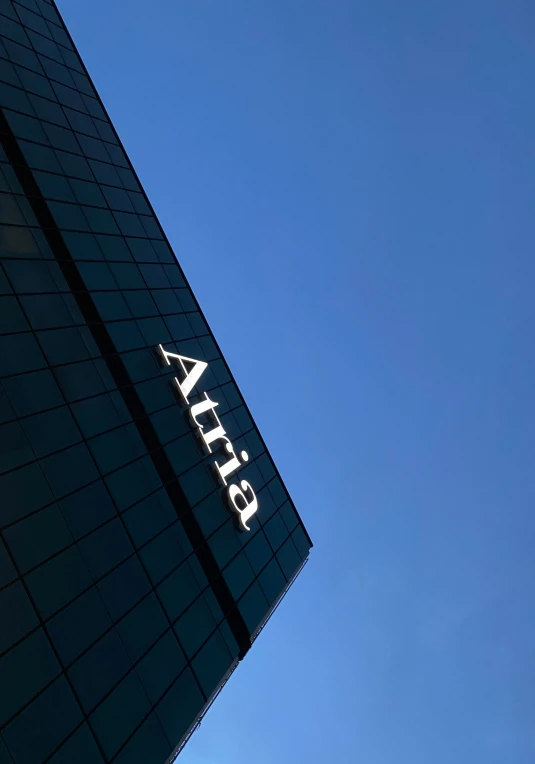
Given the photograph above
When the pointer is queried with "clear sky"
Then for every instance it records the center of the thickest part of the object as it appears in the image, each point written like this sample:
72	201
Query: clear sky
350	188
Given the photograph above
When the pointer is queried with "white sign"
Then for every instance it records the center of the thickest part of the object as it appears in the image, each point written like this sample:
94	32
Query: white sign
213	436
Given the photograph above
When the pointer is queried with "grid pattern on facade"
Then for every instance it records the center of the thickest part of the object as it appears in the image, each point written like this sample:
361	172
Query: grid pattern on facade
123	579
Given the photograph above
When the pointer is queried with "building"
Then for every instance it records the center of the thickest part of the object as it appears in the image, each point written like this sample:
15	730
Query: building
146	535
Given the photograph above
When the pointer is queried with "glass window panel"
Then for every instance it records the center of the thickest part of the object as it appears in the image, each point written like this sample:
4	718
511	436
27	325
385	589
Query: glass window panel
253	606
6	411
23	491
212	663
129	224
59	35
115	448
35	83
125	586
152	229
79	625
101	221
57	71
13	98
47	311
105	548
258	551
51	112
162	555
7	9
127	275
224	544
18	615
178	591
111	306
96	415
88	193
82	246
197	483
24	671
141	365
8	73
105	131
80	748
179	327
163	252
301	542
238	575
117	717
154	275
79	380
54	186
68	97
146	519
71	59
288	558
7	570
63	345
140	628
59	580
149	742
98	670
132	483
45	46
160	667
93	148
195	626
125	335
114	248
97	276
154	331
33	21
74	166
82	123
230	641
166	301
26	127
117	199
117	156
211	513
14	447
93	107
142	250
69	216
61	138
272	581
141	304
105	173
11	316
179	708
174	276
69	470
128	180
38	537
83	84
34	734
276	531
139	203
170	423
88	508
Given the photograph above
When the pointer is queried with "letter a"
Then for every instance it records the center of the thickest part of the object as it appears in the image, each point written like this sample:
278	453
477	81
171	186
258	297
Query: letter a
249	508
192	376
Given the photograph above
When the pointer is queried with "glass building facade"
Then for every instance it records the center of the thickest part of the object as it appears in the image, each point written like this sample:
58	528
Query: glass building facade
132	581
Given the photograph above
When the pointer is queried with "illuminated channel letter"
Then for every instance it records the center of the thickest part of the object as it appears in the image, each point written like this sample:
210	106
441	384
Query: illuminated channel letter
232	465
236	494
192	376
249	508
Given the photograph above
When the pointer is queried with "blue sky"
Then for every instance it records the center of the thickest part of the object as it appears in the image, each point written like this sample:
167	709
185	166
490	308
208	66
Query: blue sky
350	188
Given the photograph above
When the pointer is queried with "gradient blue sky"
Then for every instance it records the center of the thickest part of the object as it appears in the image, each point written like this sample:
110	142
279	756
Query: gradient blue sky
350	188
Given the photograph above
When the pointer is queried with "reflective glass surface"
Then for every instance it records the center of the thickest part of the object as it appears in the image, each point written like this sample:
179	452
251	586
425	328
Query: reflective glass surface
128	590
